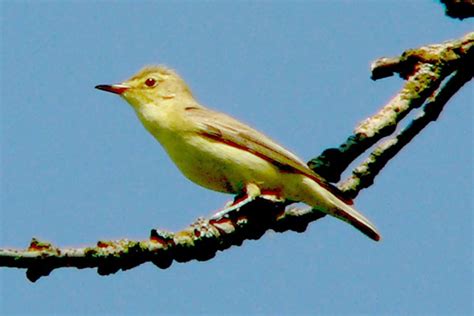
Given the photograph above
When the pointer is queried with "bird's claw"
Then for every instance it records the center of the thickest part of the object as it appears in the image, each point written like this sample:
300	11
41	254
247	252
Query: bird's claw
235	205
232	206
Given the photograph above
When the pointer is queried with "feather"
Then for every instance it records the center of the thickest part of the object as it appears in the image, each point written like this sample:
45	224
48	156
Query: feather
223	128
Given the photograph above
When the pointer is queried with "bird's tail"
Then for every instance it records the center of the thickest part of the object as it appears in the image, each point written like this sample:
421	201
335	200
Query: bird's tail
337	207
348	214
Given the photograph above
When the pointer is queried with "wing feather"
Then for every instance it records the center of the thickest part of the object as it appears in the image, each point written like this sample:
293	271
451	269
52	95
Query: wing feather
223	128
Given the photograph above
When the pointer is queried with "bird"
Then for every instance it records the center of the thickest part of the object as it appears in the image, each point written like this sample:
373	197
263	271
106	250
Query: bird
220	153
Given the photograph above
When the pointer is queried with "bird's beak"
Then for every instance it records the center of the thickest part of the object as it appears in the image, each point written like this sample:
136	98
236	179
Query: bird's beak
115	88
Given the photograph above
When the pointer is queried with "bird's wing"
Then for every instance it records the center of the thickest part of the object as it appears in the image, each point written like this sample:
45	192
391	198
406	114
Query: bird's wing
223	128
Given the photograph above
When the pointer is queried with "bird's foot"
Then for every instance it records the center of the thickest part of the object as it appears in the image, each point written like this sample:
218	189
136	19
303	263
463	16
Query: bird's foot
233	206
252	192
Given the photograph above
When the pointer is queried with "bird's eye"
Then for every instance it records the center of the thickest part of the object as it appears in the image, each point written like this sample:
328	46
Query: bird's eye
150	82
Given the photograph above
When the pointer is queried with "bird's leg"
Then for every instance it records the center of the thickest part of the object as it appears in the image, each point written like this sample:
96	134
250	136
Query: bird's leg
252	191
273	196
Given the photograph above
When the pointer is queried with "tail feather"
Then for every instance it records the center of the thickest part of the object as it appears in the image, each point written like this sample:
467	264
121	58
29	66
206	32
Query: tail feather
338	208
350	215
326	201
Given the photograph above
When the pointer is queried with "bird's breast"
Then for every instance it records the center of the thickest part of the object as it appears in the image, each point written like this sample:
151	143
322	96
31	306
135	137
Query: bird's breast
216	165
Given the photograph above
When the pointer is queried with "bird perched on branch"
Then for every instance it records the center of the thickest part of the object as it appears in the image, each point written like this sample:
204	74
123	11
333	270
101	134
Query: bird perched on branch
220	153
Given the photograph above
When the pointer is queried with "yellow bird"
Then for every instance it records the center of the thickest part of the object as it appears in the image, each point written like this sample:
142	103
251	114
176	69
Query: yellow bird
220	153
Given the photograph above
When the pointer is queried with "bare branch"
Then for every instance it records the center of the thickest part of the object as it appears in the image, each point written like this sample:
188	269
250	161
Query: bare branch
199	241
425	70
459	9
364	174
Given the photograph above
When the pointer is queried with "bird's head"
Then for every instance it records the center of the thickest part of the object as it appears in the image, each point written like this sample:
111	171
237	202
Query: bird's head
151	85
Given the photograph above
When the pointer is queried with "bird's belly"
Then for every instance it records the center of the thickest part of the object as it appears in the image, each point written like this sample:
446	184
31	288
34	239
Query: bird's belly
219	166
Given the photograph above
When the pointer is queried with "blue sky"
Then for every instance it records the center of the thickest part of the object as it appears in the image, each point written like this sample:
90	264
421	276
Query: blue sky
77	166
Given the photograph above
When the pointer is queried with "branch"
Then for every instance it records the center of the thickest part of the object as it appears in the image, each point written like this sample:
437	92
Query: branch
459	9
425	70
200	240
